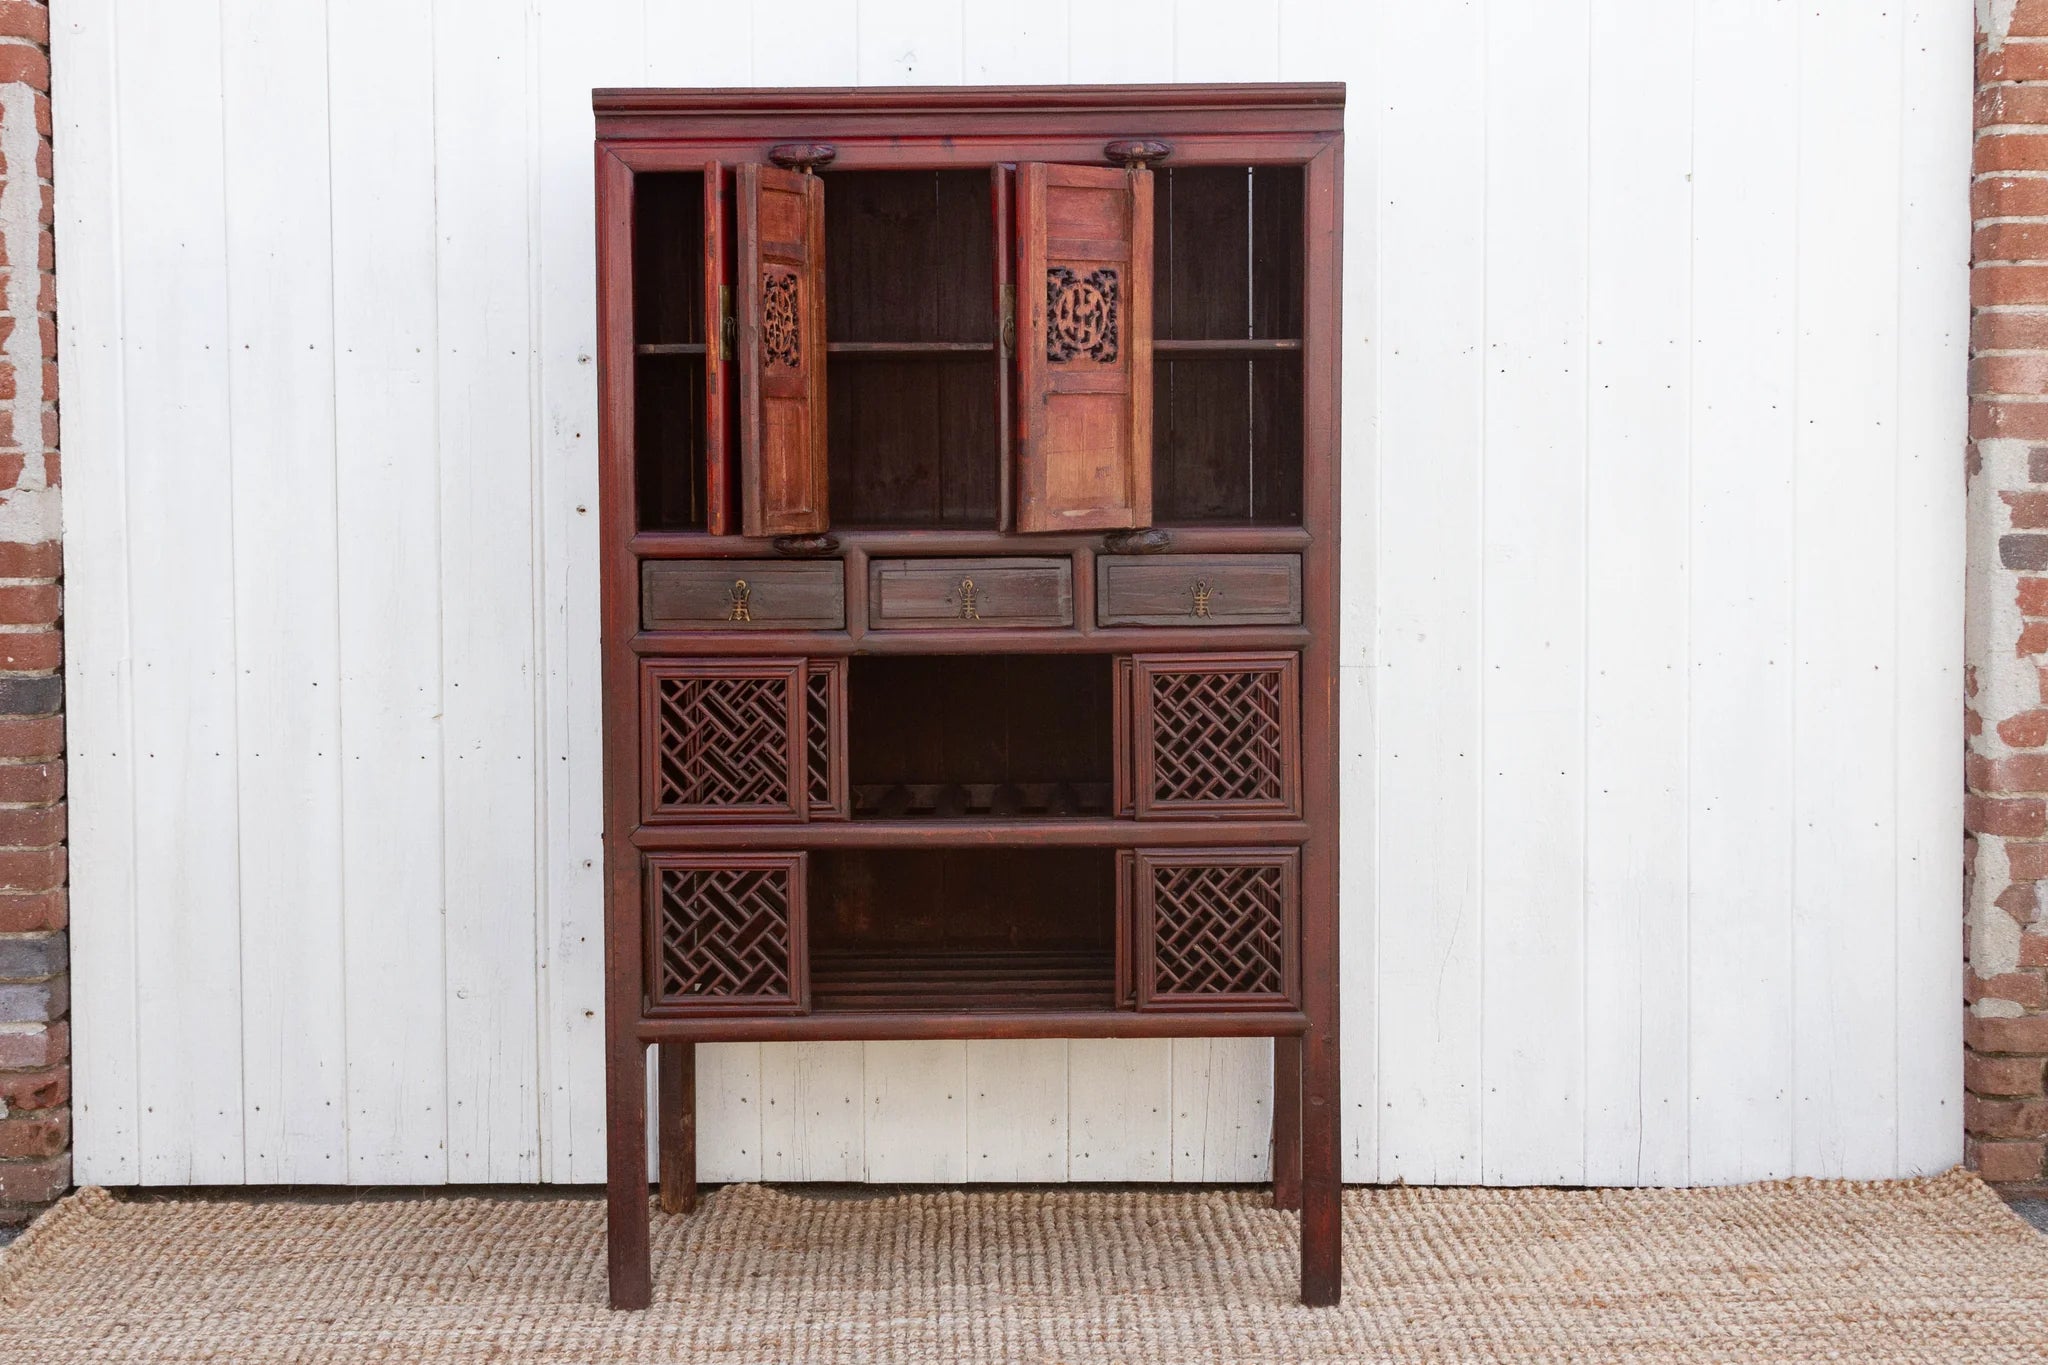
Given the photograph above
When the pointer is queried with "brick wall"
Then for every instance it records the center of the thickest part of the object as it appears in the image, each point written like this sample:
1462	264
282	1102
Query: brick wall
35	1034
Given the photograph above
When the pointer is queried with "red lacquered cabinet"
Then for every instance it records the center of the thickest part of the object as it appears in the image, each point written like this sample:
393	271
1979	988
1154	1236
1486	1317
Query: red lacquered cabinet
970	586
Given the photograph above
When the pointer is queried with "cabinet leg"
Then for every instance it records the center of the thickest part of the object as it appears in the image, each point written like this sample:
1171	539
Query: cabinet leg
676	1125
626	1216
1322	1189
1287	1123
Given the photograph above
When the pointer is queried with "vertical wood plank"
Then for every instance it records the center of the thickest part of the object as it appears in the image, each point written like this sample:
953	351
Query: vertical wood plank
1844	578
287	613
388	515
1120	1109
1739	949
1533	605
910	42
696	44
1015	45
1222	1121
181	595
1226	40
1017	1109
1430	318
728	1111
580	46
808	42
1637	467
99	762
489	703
916	1128
1129	41
1932	425
813	1112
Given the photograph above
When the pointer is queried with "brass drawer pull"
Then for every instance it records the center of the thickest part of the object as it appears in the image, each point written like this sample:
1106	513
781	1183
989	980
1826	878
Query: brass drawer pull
968	610
742	601
1202	594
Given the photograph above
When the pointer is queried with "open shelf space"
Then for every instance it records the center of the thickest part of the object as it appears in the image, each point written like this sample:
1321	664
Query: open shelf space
945	929
979	736
669	381
1226	317
912	383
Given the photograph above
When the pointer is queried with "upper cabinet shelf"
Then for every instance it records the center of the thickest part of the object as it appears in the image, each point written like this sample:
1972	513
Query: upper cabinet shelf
1013	345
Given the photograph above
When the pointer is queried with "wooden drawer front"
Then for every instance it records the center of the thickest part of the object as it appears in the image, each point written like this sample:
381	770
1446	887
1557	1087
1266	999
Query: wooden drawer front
1215	928
1214	735
725	932
1181	590
742	594
928	593
727	739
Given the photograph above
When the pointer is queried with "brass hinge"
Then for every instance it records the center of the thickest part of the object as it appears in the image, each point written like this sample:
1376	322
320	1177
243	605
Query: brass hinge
1009	323
728	326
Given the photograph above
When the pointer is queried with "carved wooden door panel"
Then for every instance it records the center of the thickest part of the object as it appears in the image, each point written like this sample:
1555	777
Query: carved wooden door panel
1084	347
781	345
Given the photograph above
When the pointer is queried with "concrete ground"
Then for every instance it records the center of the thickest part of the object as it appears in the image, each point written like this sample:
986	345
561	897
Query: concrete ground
2035	1211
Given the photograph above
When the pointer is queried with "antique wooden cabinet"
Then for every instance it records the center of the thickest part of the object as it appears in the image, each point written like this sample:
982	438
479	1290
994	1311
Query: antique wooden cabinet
970	542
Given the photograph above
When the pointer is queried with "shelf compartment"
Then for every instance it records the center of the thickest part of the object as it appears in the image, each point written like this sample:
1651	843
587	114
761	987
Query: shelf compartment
940	979
894	929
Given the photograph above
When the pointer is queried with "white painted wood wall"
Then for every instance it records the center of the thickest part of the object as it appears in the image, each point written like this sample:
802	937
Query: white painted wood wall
1655	328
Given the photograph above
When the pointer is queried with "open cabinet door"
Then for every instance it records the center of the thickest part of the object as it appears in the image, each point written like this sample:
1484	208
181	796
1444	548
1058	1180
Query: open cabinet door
1084	348
781	345
719	475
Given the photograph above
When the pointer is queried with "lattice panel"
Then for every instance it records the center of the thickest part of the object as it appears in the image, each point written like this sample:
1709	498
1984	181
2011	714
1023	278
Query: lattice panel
727	931
722	736
1218	737
1219	928
825	708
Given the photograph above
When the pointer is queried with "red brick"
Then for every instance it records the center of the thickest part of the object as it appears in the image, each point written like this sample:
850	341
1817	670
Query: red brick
2029	19
2021	988
48	1088
20	19
2008	284
2019	773
50	1045
2027	730
30	651
31	737
2033	639
2018	818
2008	196
2034	950
2026	104
2010	242
38	1182
2013	1076
45	559
22	62
2013	62
30	604
39	1135
1995	151
26	914
2010	331
2009	374
2028	508
36	783
2005	1118
2006	1162
2026	1035
31	869
32	826
2013	419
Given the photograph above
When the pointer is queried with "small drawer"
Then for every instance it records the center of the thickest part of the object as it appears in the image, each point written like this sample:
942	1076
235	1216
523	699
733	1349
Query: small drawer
1182	590
929	593
742	594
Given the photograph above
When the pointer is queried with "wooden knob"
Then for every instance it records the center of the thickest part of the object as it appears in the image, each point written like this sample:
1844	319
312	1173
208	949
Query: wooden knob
1137	151
802	156
805	547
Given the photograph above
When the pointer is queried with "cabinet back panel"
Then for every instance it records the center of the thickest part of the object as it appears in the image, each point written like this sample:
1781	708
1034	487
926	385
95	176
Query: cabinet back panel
979	719
981	898
668	309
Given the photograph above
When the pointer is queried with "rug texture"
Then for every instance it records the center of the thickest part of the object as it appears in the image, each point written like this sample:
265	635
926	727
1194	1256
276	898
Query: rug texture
1923	1270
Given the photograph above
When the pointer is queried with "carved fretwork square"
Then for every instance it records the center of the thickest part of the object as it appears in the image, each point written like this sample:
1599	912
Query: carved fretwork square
723	742
723	934
1218	736
1219	930
822	685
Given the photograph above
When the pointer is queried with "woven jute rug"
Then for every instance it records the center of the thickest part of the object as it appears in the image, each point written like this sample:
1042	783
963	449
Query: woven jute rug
1923	1270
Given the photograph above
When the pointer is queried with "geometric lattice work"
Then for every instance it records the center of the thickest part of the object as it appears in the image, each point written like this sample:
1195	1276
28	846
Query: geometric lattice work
1220	736
1218	931
721	740
823	686
1217	927
727	930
